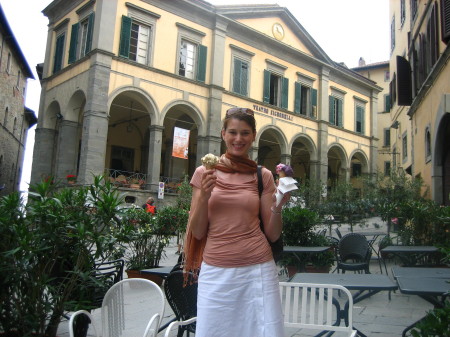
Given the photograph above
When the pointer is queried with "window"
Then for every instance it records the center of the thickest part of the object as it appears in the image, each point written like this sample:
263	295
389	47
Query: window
387	76
393	34
413	9
275	89
8	63
241	61
387	137
445	21
59	52
188	53
15	125
336	111
18	79
81	38
387	103
404	147
305	102
191	53
387	168
5	120
427	144
240	77
356	169
135	40
402	12
359	119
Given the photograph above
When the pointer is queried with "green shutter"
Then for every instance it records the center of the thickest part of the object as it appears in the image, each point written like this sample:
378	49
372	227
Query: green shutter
284	92
237	76
125	34
298	97
363	119
73	43
201	63
244	78
387	103
90	33
358	118
339	112
331	111
313	102
266	89
59	49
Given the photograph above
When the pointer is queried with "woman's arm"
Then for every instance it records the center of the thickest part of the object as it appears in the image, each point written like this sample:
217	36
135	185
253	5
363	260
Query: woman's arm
271	215
198	217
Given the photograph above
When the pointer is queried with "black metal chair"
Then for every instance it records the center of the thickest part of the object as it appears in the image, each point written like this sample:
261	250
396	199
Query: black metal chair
338	232
354	253
182	299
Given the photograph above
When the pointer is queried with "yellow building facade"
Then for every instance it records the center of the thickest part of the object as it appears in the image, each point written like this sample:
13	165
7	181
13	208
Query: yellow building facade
420	92
120	78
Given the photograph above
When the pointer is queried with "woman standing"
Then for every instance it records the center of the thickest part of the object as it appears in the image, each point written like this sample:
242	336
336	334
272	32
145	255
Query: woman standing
238	294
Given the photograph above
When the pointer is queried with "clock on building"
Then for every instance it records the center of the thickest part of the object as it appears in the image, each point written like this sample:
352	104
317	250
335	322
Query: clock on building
278	31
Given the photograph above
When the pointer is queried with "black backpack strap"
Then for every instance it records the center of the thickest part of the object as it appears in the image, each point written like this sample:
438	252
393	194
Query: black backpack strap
260	182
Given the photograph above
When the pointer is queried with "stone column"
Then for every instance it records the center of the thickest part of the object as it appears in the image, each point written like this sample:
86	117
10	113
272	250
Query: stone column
253	153
66	154
154	157
323	100
322	165
95	122
44	146
286	159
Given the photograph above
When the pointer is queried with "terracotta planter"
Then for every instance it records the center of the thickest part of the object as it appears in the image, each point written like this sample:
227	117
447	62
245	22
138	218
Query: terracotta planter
135	186
71	182
137	274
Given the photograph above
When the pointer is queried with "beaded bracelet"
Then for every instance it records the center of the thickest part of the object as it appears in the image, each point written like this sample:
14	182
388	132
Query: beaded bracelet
274	212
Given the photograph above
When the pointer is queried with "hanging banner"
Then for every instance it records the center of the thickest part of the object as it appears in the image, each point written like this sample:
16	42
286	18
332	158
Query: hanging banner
180	143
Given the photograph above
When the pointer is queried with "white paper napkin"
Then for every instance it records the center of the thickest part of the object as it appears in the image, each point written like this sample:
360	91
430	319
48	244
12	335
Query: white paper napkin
285	184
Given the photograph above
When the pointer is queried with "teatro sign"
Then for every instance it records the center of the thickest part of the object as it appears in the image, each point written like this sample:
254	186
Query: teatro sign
272	112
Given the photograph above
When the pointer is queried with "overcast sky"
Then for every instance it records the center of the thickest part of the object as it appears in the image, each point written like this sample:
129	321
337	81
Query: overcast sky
346	30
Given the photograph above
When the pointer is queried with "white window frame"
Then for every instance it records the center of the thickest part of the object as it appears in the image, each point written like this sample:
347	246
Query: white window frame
192	37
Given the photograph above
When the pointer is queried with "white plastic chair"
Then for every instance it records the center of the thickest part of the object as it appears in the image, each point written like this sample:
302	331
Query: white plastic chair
311	306
131	307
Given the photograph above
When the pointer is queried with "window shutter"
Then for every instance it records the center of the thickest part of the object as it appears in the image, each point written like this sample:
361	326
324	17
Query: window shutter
266	89
244	78
404	88
73	43
90	33
298	97
445	20
237	76
387	103
125	34
331	112
360	119
201	63
314	103
284	92
59	49
339	113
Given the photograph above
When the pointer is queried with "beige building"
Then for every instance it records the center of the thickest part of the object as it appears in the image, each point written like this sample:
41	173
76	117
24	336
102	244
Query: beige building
15	118
122	78
420	92
379	72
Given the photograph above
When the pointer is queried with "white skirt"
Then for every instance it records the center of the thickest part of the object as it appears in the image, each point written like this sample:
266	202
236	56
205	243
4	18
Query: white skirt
239	302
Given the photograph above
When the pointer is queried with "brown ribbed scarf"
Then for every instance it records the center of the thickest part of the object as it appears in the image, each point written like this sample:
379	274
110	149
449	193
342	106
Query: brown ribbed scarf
193	248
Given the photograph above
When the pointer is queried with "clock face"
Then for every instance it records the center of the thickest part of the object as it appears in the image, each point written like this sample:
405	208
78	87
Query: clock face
278	31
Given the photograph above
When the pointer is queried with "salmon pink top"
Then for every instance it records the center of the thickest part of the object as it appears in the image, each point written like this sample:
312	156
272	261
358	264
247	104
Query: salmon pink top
234	237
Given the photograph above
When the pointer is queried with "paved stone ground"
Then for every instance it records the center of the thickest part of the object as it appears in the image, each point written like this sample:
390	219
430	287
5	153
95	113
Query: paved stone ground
375	316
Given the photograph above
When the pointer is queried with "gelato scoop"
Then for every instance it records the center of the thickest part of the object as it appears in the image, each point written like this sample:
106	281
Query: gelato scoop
210	161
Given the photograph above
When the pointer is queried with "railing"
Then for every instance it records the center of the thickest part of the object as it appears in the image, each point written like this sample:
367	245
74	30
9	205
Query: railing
126	179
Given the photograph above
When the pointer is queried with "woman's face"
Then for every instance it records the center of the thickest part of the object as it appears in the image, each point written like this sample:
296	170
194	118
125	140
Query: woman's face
238	137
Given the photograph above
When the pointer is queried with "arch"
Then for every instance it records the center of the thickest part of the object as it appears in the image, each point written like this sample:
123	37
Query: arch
189	108
441	159
277	133
362	157
337	164
308	142
75	106
140	96
52	115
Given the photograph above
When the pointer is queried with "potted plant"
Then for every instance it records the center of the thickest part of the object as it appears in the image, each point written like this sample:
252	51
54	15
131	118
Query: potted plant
71	179
142	238
47	250
298	230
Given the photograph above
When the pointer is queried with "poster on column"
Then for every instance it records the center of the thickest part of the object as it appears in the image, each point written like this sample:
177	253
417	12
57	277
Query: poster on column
180	143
